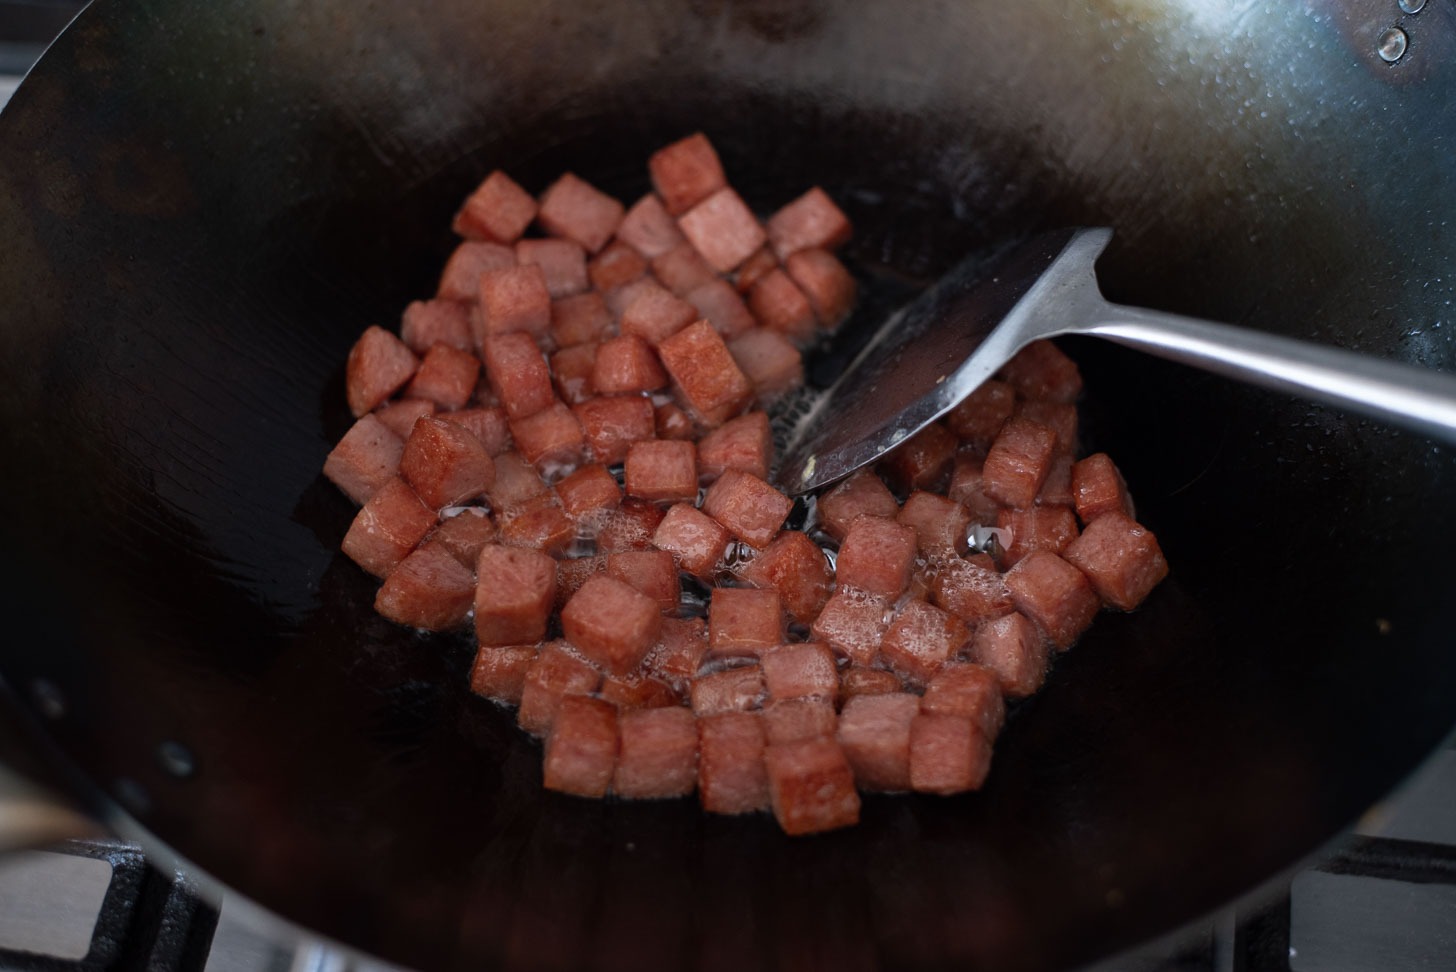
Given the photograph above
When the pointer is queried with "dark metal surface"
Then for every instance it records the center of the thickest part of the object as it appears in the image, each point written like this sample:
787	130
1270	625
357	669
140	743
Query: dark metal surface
204	204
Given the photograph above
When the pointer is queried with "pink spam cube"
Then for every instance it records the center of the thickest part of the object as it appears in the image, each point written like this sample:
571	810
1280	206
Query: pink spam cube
969	690
717	302
748	507
750	271
744	443
1060	417
979	418
612	423
1040	371
863	494
516	483
940	524
794	566
825	282
446	376
1018	462
921	639
538	524
679	650
589	489
562	263
708	382
874	731
1056	489
1013	648
379	364
970	591
460	280
1098	488
574	208
732	690
387	528
778	304
365	459
489	425
429	589
551	437
426	323
581	751
876	556
791	720
658	757
648	228
514	594
579	319
853	624
655	314
723	229
968	488
499	673
686	172
621	298
857	680
663	471
571	372
682	270
627	364
811	786
811	221
770	362
498	209
948	754
1120	557
518	374
556	673
1054	594
673	423
649	572
464	534
922	463
630	527
637	692
400	414
744	621
611	623
731	774
1036	528
616	266
694	538
445	464
800	671
515	299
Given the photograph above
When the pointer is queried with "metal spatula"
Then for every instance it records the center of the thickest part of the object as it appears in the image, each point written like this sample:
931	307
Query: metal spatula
926	359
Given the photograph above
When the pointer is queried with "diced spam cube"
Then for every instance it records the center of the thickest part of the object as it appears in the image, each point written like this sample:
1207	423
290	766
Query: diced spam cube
771	363
589	489
426	323
852	623
445	464
663	471
648	227
800	671
979	418
489	425
948	754
620	299
862	494
632	526
581	751
921	639
744	443
387	528
717	302
379	364
655	314
971	592
556	673
1036	528
874	731
723	229
572	572
400	415
1054	594
574	208
825	282
1120	557
922	463
429	589
686	172
778	304
1098	488
499	673
580	319
1018	462
970	690
516	483
748	507
792	720
446	376
571	372
1060	417
1056	489
514	594
812	220
679	650
460	280
694	538
612	423
733	690
538	524
562	263
627	364
967	487
744	621
708	382
811	786
365	459
1013	648
611	624
794	566
940	524
658	758
857	680
649	572
550	438
515	299
617	265
637	692
731	775
518	374
464	534
876	556
498	209
673	423
682	270
751	270
1041	371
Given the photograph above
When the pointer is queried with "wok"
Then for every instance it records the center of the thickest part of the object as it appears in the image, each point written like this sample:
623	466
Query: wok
203	205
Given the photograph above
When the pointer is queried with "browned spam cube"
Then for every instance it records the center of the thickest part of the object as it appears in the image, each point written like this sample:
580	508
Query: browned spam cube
979	418
581	750
853	624
499	672
1036	528
811	787
970	591
515	299
562	263
426	323
429	589
627	364
460	280
1060	417
632	526
589	489
793	565
1098	488
825	282
673	423
876	556
1041	371
694	538
655	314
379	365
518	374
1013	648
550	438
571	372
611	623
791	720
862	494
516	483
446	376
732	690
637	692
649	228
744	443
940	524
616	266
658	758
770	362
400	414
1054	594
445	464
718	302
723	229
489	425
662	470
857	680
538	524
365	459
1056	489
744	621
750	270
575	209
731	775
1018	462
580	319
387	528
556	672
924	462
800	671
748	507
679	650
967	487
948	754
874	732
1121	558
811	221
498	209
921	639
572	572
778	304
682	269
970	690
649	572
612	423
514	594
463	534
686	172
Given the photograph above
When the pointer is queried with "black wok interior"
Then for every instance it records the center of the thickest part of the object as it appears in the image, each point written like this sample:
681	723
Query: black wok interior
203	205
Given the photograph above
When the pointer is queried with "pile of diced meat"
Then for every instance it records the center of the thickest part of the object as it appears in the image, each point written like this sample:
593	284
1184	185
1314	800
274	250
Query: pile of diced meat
565	450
